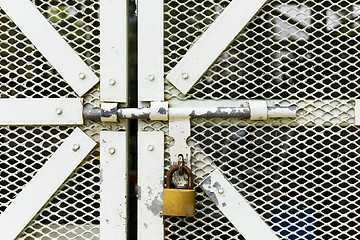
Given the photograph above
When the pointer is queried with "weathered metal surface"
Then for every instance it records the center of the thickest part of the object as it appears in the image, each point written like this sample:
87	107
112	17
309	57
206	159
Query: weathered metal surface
162	113
109	112
150	185
113	185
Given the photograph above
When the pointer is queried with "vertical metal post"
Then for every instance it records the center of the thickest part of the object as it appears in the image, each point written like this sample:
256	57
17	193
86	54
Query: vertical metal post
150	50
150	185
113	45
113	185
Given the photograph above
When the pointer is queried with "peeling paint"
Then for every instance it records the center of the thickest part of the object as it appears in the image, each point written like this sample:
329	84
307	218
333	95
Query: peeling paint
101	176
216	185
145	226
224	204
206	186
162	111
139	192
155	207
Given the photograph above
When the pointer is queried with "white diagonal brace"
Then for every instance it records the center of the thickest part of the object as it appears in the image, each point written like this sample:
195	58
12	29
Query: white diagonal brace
150	185
47	40
113	47
113	185
213	41
44	184
41	111
234	206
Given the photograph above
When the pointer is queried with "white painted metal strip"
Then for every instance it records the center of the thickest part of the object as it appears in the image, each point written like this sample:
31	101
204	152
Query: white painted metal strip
214	40
357	112
41	111
150	185
113	47
44	184
234	206
47	40
150	50
113	185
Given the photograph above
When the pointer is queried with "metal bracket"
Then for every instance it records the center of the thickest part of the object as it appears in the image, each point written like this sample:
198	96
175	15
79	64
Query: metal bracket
179	130
108	112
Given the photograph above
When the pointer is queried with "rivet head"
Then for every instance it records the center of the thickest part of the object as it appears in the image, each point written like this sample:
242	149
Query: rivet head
82	76
112	82
76	147
151	77
220	190
58	111
150	147
112	150
185	76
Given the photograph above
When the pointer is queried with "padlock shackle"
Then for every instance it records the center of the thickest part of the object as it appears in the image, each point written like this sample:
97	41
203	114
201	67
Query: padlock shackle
176	168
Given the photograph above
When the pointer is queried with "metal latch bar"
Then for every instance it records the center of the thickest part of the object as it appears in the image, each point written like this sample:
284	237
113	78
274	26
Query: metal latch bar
179	112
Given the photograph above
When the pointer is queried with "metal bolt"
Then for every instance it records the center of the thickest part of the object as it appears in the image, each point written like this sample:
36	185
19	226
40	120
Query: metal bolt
150	147
220	190
151	77
58	111
82	76
185	76
76	147
112	150
112	82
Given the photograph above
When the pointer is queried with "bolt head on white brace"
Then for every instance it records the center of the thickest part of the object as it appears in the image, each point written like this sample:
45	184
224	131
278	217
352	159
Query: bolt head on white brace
82	76
258	110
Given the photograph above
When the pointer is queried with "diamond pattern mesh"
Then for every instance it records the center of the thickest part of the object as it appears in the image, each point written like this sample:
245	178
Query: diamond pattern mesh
291	49
300	175
72	212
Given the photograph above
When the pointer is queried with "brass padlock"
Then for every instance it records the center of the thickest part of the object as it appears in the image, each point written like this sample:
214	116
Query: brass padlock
179	202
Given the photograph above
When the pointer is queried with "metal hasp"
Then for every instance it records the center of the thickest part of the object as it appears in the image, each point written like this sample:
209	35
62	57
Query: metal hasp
234	206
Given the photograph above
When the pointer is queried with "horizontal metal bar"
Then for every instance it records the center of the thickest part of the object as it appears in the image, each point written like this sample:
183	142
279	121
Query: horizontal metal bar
178	112
213	112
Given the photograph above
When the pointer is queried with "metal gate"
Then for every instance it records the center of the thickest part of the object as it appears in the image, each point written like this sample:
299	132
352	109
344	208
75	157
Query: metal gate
211	77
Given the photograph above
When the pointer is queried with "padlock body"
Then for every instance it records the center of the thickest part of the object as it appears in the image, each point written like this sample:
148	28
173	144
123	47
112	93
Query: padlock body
179	202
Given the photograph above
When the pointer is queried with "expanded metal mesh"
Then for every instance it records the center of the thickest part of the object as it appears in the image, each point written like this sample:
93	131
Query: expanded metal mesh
301	175
291	49
72	212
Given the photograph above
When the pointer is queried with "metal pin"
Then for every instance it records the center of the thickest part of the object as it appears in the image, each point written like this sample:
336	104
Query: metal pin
76	147
112	82
82	76
150	147
112	150
58	111
185	76
151	77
